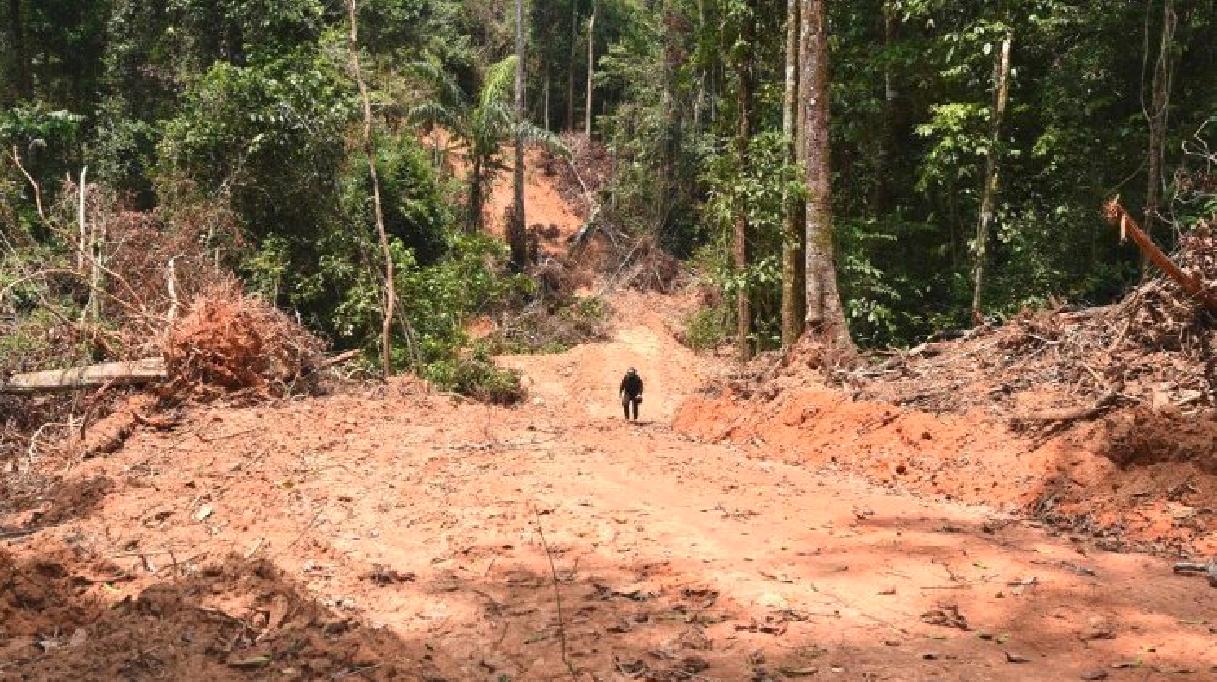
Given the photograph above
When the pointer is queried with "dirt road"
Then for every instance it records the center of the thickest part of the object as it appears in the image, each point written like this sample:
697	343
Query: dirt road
453	530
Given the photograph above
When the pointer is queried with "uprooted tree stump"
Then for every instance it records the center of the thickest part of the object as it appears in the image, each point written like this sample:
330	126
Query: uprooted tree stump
235	342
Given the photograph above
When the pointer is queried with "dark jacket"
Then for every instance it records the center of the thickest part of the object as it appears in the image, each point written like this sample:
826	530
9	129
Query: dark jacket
631	385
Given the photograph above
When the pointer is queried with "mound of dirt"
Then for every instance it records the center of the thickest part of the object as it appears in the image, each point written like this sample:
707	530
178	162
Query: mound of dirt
229	341
1097	419
235	620
1133	479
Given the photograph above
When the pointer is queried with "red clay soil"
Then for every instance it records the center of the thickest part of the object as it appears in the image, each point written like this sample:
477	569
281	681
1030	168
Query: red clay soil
382	533
1133	479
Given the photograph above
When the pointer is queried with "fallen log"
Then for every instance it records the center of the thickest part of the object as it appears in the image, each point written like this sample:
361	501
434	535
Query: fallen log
1069	415
1207	569
135	372
1191	284
130	373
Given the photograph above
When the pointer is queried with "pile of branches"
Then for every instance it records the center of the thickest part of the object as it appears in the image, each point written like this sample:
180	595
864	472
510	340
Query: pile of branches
582	173
230	342
102	290
646	266
1154	348
548	327
1160	315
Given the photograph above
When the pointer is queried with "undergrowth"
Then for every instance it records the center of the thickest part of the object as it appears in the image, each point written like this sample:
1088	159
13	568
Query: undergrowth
475	375
708	328
541	329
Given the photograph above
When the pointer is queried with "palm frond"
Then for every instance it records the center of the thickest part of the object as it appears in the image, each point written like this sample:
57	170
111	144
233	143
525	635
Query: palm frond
499	82
434	113
551	141
444	86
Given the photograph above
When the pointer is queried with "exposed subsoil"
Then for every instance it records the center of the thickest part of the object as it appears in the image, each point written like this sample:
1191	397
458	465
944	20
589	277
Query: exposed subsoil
390	534
385	533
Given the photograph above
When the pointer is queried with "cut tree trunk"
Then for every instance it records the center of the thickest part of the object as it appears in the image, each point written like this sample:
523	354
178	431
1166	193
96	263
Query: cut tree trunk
792	238
135	372
825	316
1191	284
988	199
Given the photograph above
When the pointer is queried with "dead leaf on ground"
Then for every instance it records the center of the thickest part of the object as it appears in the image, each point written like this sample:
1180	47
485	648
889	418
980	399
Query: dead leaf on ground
945	616
383	575
770	626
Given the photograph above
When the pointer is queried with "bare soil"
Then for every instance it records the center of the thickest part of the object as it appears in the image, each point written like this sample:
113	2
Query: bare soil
383	533
388	533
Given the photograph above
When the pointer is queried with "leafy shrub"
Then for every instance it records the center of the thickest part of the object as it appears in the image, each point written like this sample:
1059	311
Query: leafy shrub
709	327
478	377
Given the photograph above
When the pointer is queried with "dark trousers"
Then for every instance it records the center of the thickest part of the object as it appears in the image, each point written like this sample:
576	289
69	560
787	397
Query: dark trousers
630	401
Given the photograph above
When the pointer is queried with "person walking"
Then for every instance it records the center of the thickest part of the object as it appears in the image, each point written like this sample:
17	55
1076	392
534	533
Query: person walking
631	393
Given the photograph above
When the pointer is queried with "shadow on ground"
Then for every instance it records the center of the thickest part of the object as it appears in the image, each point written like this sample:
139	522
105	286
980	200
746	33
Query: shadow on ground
247	620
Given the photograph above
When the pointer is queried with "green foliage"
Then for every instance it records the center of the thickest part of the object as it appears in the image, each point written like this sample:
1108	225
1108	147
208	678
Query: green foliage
478	377
482	124
48	142
709	328
246	107
760	188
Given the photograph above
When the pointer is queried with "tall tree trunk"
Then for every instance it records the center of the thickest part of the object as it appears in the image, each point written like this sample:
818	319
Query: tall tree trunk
570	65
743	135
21	58
473	221
667	156
1158	116
591	71
390	298
792	237
516	237
988	197
888	140
545	108
825	316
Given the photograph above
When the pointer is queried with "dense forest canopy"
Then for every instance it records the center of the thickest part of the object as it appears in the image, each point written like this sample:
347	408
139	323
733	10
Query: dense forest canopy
236	124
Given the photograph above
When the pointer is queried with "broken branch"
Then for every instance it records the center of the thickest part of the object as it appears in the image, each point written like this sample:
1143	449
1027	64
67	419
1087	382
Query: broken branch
1192	285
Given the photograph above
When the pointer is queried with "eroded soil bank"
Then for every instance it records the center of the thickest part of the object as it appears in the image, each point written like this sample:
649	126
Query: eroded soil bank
1133	479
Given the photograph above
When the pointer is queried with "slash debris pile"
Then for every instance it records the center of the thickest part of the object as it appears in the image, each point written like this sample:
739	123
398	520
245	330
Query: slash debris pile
232	342
1154	349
